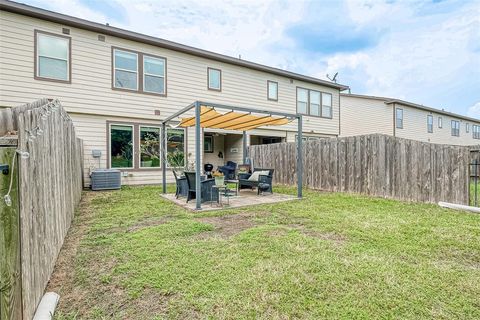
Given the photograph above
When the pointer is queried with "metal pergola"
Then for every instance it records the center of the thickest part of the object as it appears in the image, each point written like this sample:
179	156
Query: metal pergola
197	106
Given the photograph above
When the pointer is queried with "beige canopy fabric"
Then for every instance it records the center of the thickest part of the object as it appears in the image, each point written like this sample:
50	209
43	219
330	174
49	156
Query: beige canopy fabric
210	118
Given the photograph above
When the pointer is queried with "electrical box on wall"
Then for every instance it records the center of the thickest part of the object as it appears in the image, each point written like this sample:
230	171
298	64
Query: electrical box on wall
97	153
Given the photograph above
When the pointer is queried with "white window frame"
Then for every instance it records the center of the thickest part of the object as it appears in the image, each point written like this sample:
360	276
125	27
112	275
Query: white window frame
399	125
38	34
140	145
125	70
154	75
440	122
429	123
110	144
467	127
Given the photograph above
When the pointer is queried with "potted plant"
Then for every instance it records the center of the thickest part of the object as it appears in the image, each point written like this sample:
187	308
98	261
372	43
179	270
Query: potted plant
219	178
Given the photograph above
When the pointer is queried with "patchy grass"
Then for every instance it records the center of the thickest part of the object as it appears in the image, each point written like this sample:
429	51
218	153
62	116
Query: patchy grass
133	255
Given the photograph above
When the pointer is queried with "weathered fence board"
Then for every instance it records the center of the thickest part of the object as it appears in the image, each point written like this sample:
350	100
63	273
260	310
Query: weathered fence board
49	188
10	284
377	165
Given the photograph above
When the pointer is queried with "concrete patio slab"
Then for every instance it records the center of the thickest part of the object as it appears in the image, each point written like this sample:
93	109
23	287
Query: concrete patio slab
244	198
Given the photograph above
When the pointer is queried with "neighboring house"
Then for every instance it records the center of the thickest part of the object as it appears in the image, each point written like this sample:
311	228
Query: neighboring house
118	85
362	114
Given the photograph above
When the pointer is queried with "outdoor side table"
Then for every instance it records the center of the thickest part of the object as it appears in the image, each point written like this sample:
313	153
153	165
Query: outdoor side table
233	181
222	191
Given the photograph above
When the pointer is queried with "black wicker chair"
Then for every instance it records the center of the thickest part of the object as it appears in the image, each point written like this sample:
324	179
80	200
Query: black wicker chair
205	187
244	183
181	185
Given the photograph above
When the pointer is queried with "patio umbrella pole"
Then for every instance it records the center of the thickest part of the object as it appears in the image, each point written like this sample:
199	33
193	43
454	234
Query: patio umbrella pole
299	158
164	157
198	191
245	147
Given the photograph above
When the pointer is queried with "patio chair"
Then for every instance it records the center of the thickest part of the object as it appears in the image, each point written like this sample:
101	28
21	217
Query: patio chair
228	170
181	185
205	188
252	180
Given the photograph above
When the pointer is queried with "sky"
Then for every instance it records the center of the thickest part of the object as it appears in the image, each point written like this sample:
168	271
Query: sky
426	52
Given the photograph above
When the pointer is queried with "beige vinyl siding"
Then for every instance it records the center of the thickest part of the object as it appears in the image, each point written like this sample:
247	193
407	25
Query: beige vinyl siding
90	91
218	146
415	127
91	101
234	142
360	116
365	115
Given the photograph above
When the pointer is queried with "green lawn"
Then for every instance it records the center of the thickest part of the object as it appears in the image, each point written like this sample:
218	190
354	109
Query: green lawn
133	255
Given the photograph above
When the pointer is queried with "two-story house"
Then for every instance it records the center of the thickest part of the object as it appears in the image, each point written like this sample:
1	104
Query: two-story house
118	85
361	114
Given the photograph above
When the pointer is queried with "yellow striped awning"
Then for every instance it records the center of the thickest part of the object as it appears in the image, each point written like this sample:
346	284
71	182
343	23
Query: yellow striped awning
210	118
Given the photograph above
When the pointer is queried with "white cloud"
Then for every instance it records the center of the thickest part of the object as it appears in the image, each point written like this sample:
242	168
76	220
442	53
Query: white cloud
424	59
474	111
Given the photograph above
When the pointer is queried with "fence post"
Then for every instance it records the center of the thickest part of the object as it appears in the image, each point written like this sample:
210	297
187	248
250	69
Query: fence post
475	179
10	272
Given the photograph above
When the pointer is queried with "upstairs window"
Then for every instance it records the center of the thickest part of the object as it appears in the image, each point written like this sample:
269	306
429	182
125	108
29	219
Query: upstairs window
467	127
126	69
399	118
272	90
214	79
153	74
430	123
455	128
315	103
326	105
440	124
52	57
302	101
476	131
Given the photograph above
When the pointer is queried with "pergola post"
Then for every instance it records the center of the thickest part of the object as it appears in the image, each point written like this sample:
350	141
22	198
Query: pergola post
244	147
299	157
198	189
163	150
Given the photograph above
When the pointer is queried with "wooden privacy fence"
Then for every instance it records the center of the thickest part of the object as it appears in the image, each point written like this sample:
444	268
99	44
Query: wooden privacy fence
49	174
377	165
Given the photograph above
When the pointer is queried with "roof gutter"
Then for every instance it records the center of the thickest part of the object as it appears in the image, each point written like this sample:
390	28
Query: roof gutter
43	14
419	106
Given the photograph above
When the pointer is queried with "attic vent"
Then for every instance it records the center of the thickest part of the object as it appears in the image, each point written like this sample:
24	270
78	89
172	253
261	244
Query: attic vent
101	38
65	31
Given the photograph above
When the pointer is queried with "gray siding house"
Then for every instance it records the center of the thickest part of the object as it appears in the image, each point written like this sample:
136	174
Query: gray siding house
361	114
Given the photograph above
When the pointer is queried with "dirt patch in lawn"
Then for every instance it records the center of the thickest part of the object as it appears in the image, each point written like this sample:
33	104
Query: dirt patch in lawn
61	280
227	226
335	238
149	223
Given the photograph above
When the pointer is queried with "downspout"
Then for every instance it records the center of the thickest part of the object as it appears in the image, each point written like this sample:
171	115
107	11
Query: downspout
339	115
394	120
